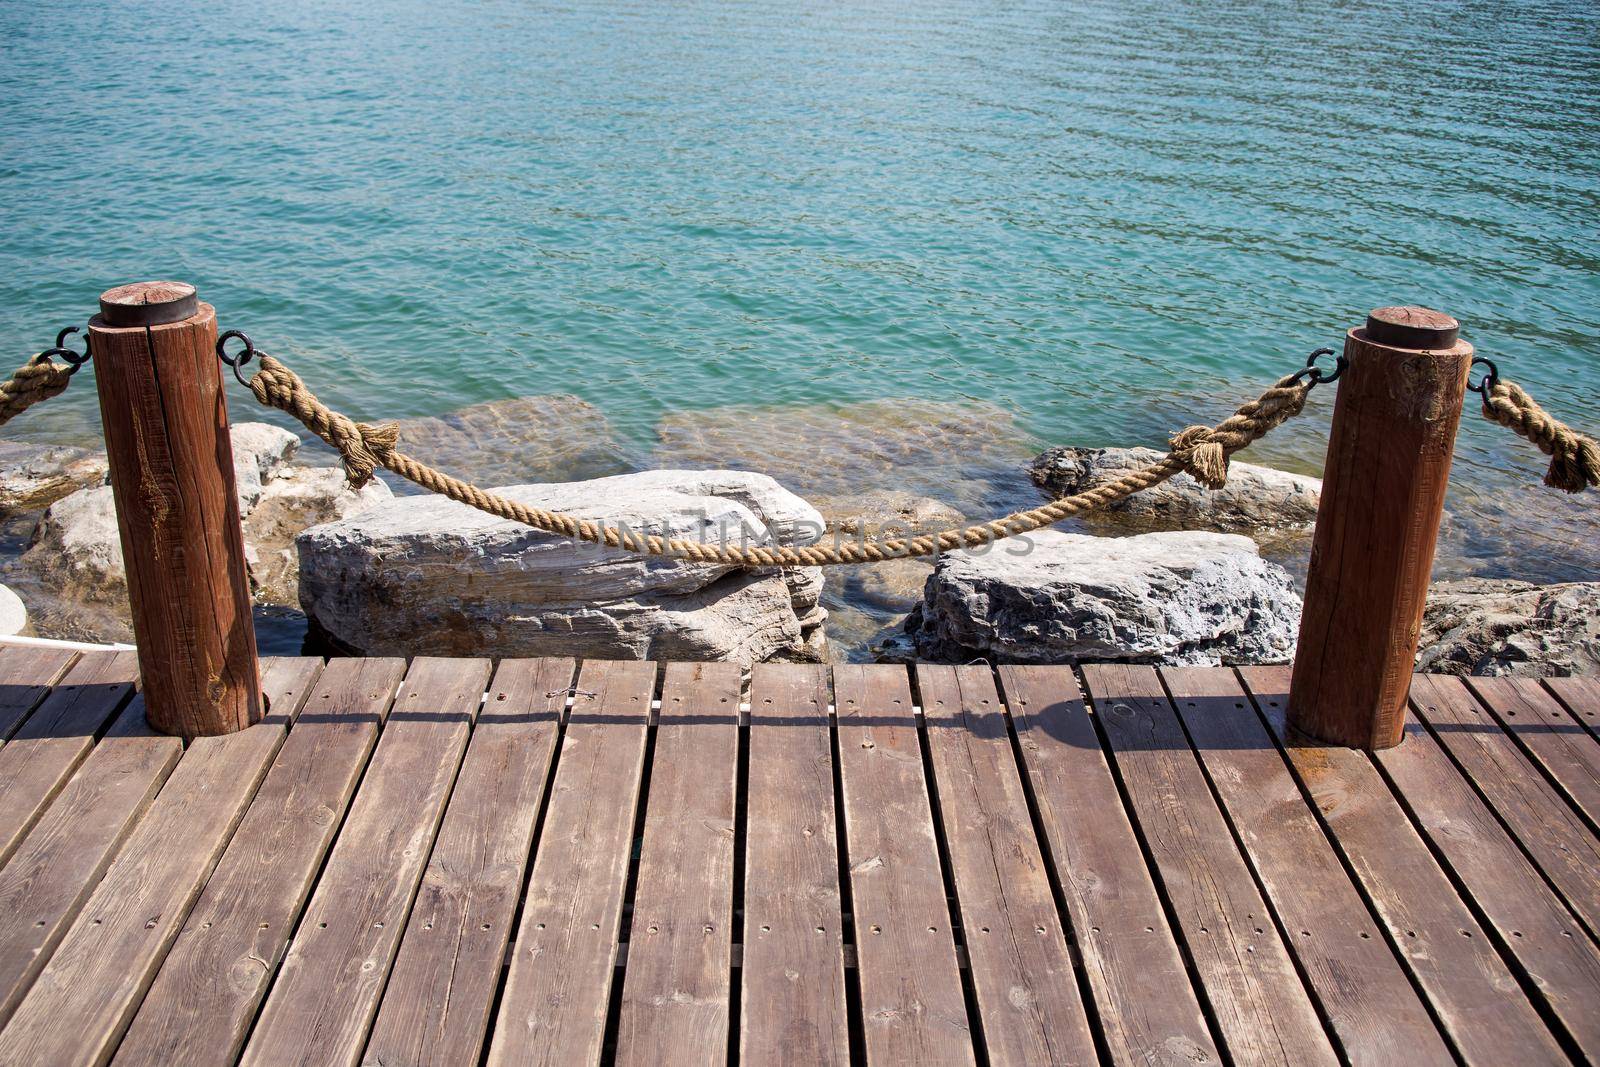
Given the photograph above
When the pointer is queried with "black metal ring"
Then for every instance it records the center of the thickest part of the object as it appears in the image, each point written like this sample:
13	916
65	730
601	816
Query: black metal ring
1491	378
71	358
1317	375
236	362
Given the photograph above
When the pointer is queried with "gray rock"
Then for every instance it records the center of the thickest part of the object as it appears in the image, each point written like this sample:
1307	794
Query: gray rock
35	476
1483	626
73	577
13	613
292	500
259	450
1255	498
434	577
554	438
1175	598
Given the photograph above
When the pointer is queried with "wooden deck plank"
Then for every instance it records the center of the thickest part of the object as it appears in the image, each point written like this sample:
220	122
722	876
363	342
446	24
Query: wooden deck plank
1566	750
1473	991
1263	1010
205	996
1581	697
1027	993
912	1005
556	996
675	990
82	1000
64	856
326	992
793	1000
1148	1011
1553	834
26	675
1532	926
436	1007
47	748
1364	990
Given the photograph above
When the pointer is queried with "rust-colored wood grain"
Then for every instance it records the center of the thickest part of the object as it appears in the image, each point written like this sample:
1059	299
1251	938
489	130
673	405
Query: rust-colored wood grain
166	430
1389	452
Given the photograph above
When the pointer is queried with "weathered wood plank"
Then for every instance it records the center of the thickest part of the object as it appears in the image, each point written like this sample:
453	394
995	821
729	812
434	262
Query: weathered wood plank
1027	993
912	1005
1581	697
201	1004
1532	927
436	1007
1264	1012
64	856
1149	1013
1364	991
553	1010
1550	736
84	997
48	747
1474	994
1538	815
793	1003
675	991
326	992
26	675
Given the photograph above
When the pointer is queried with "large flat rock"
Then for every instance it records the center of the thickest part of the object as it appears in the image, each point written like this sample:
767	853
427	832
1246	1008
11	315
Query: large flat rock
429	576
1174	598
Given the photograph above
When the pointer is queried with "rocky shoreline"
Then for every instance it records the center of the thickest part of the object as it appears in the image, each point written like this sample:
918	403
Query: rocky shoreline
1178	574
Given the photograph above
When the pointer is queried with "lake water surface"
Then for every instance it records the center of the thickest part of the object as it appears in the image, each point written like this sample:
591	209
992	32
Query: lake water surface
1110	218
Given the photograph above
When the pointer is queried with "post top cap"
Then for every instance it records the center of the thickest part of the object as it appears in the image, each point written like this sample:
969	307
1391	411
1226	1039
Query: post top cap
1412	327
149	304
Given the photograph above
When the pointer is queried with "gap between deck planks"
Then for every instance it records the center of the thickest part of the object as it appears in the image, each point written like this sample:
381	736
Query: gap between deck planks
1156	874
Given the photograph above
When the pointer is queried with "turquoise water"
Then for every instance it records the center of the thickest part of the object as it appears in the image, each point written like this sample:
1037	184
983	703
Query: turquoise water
1112	218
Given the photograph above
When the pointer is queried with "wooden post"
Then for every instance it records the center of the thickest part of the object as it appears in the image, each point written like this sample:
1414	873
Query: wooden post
1394	432
166	429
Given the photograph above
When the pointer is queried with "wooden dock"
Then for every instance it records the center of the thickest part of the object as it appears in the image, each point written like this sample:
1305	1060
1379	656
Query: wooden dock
456	862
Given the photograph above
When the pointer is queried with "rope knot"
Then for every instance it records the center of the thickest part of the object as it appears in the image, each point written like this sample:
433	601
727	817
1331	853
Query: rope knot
359	444
1203	457
1574	457
1203	451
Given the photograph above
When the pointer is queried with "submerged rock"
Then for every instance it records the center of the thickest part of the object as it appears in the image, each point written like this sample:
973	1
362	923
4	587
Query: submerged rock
73	576
863	459
1482	626
435	577
35	476
1255	498
556	438
1175	598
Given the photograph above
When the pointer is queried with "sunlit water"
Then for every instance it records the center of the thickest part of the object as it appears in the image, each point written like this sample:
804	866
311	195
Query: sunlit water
1112	218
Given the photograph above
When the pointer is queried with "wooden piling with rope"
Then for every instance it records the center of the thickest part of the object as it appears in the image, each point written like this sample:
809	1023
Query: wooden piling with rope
1383	488
166	430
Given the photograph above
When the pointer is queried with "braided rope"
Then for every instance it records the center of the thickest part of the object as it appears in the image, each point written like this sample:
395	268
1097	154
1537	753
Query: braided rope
1199	450
1574	457
38	379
